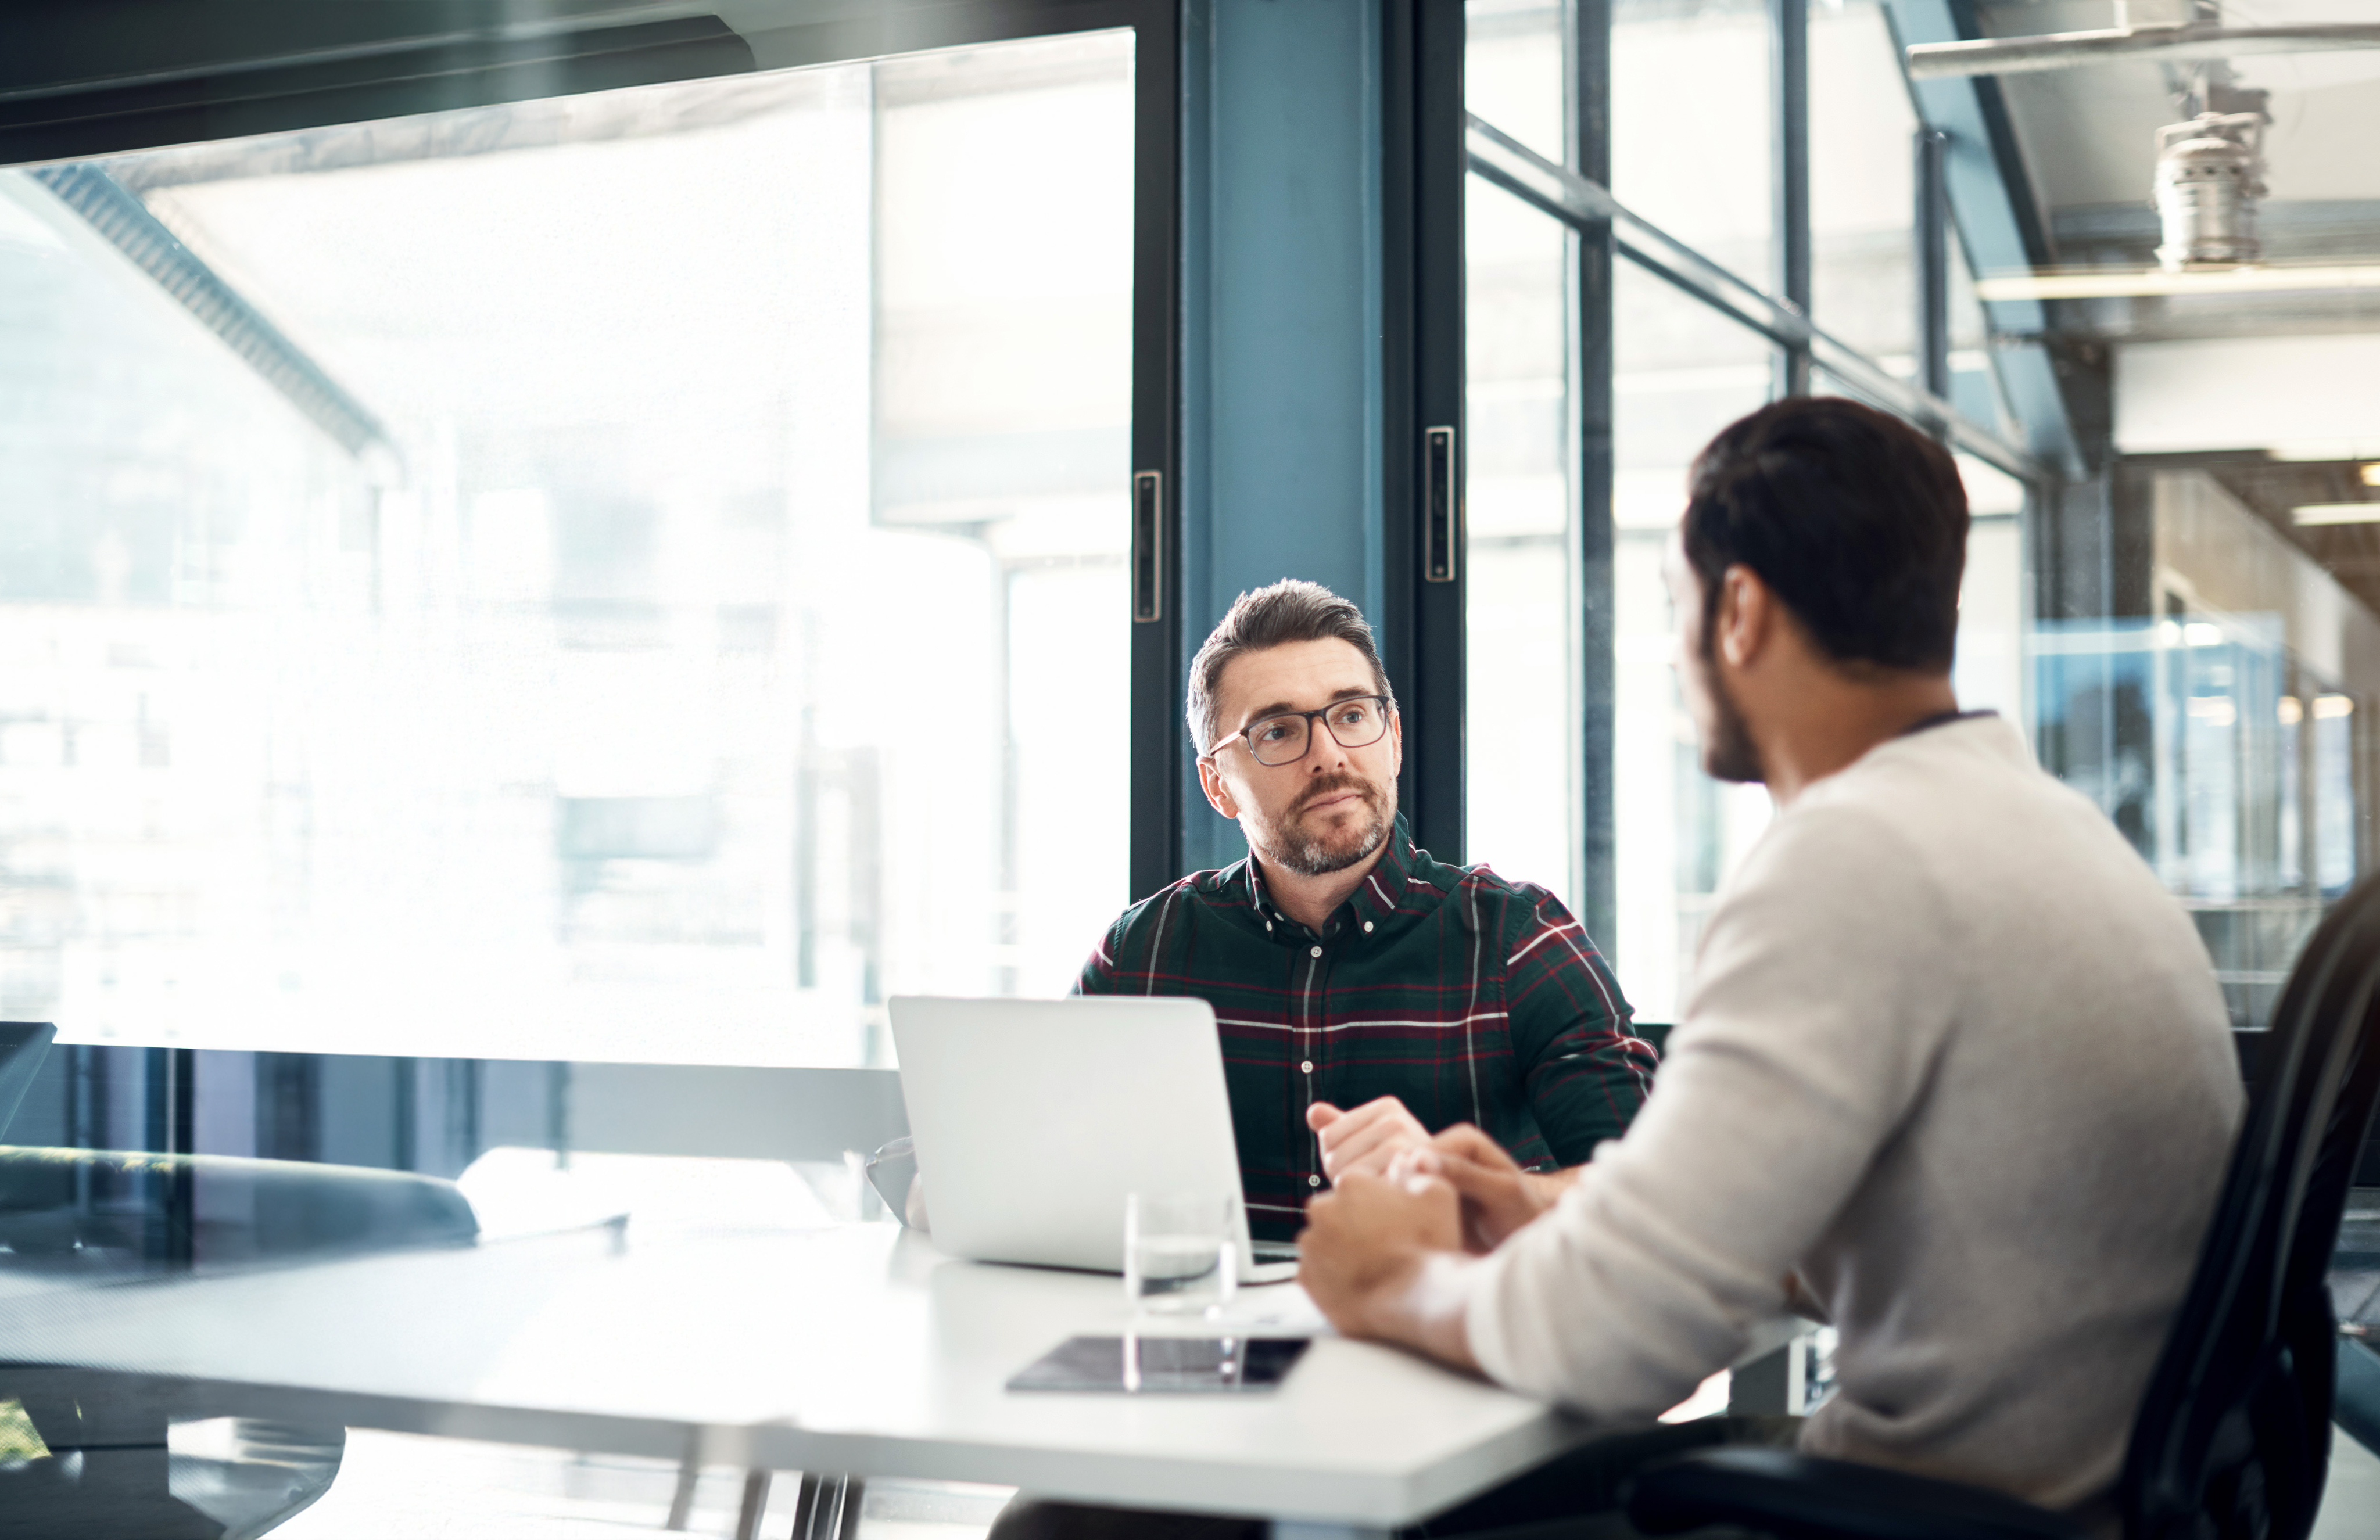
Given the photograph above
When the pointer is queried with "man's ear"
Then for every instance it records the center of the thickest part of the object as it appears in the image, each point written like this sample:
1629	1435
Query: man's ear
1747	614
1219	796
1396	744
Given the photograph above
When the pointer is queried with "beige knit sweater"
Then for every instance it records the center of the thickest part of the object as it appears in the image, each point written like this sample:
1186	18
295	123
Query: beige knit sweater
1953	1056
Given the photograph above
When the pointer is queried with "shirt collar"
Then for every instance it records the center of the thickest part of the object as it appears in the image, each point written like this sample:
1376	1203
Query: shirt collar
1374	898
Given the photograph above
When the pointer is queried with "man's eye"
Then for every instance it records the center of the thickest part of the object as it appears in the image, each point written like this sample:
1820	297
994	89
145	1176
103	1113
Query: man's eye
1354	716
1270	732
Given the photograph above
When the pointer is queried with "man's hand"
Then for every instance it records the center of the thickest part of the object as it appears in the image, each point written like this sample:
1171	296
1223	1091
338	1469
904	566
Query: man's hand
1381	1259
1364	1139
1498	1197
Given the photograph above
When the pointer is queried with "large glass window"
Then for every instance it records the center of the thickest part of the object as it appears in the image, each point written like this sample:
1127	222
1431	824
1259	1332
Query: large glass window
1515	73
2203	666
1680	372
1696	161
1693	123
1862	184
637	575
1522	749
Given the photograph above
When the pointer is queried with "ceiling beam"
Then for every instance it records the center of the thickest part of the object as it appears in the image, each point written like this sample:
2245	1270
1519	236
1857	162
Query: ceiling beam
1998	224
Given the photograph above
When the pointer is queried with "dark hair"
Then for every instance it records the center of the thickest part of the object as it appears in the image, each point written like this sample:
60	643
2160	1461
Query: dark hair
1857	520
1290	610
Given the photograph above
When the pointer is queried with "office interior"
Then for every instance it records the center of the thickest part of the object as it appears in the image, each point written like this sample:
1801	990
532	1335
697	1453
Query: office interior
558	555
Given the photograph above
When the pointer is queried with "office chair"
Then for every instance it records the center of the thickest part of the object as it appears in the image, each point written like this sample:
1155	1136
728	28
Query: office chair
2232	1439
23	1045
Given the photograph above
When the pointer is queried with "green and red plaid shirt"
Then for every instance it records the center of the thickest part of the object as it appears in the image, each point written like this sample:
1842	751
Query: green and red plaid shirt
1467	998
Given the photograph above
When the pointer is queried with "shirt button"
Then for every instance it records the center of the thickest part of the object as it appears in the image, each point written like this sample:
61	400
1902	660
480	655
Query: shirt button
1268	925
1316	951
1313	1181
1307	1068
1367	927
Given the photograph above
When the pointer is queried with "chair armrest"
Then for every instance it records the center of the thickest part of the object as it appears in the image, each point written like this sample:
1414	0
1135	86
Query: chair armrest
2355	1405
1797	1497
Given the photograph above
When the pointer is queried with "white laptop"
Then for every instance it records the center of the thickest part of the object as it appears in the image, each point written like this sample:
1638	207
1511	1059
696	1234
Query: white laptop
1034	1118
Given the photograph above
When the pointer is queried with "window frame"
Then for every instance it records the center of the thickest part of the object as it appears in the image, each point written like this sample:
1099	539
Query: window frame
1576	193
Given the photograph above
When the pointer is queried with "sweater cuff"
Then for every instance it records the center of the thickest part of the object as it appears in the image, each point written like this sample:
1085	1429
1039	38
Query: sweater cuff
1483	1317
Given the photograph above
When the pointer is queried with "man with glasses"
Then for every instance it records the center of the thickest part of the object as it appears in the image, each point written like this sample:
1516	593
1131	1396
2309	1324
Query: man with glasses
1369	995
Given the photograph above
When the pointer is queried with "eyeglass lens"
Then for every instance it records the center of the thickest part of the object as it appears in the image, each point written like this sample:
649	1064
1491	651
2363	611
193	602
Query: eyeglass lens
1282	740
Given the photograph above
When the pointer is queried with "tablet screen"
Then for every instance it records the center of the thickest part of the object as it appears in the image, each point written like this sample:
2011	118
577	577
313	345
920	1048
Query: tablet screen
1162	1365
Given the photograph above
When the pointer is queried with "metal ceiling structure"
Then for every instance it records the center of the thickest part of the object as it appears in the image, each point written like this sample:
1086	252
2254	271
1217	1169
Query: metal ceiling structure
1584	204
125	223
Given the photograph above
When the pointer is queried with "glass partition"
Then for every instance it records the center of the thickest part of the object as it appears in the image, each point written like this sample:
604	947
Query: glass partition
2217	723
586	578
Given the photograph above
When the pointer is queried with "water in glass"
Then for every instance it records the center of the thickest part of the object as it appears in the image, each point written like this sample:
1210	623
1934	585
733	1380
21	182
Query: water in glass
1181	1252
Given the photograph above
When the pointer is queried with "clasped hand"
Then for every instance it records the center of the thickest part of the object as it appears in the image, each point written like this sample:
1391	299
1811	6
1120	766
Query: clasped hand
1380	1138
1363	1140
1380	1254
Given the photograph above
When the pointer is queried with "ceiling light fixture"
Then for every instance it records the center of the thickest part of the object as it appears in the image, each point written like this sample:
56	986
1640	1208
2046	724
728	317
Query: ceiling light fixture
2124	283
1933	61
2336	513
2372	474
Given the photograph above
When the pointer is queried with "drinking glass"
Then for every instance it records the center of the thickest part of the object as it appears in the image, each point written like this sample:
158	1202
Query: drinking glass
1181	1252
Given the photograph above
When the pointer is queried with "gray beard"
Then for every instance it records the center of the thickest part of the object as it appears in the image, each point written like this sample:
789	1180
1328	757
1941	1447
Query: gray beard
1310	856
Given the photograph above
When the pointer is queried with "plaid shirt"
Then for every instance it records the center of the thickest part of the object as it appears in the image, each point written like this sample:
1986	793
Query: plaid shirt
1467	998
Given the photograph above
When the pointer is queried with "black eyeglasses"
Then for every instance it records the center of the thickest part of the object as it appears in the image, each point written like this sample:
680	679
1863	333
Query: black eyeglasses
1354	722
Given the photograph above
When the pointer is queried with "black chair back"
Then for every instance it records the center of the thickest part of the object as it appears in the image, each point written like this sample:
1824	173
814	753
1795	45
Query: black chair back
2233	1439
23	1045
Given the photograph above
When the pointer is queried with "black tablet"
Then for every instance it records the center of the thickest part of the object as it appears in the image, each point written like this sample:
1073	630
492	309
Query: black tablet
1162	1365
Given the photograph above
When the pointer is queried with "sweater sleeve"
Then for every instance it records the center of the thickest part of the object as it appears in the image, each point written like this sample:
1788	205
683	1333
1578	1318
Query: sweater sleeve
1821	999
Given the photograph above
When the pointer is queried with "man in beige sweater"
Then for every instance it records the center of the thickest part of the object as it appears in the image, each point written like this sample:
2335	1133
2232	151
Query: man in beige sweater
1953	1072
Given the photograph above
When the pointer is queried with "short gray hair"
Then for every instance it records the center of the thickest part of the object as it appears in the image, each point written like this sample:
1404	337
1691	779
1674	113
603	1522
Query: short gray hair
1275	615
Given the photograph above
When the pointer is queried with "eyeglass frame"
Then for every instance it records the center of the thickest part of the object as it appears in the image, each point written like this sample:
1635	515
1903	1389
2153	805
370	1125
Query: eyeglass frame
1388	705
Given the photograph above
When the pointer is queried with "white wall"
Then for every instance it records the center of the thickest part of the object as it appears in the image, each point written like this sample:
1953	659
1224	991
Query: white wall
2307	398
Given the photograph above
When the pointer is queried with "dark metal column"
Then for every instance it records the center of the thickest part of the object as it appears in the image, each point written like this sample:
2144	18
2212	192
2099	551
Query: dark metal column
1591	366
181	1067
1932	226
1156	856
1426	437
1789	59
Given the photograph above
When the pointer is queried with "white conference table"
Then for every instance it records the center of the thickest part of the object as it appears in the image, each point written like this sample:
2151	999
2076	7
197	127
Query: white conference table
855	1350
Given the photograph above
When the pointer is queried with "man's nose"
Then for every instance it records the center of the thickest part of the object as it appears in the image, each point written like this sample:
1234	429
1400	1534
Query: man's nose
1324	753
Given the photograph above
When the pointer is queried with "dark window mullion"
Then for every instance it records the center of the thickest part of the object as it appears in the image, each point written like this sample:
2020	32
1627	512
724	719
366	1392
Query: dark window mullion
1788	56
1589	93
